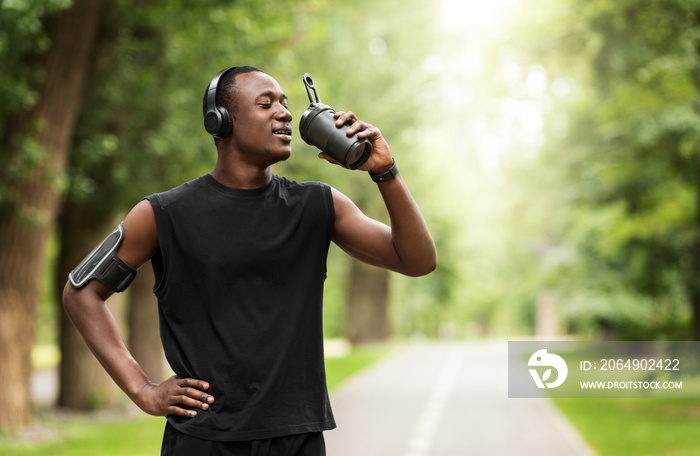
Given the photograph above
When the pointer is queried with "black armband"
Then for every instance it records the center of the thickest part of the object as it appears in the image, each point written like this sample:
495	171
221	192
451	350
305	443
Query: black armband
104	264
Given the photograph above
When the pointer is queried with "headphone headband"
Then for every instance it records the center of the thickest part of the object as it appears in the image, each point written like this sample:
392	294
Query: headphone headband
217	119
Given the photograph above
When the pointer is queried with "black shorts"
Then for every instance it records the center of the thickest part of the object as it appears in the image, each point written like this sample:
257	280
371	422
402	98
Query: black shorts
175	443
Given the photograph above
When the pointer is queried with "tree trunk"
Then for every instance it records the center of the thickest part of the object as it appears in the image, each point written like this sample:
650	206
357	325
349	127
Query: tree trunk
546	321
144	338
368	304
27	220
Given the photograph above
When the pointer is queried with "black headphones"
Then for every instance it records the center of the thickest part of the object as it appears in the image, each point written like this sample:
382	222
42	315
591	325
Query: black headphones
217	120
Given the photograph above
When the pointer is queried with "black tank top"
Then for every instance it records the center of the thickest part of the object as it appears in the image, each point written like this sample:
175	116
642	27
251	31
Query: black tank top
239	281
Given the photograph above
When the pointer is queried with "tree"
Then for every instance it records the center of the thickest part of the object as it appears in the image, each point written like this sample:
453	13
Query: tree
622	151
35	143
367	317
115	117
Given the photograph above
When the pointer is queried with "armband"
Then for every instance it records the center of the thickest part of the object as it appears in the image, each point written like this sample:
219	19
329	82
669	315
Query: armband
104	264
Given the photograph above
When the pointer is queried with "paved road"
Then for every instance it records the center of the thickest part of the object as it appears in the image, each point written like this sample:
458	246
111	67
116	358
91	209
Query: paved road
445	399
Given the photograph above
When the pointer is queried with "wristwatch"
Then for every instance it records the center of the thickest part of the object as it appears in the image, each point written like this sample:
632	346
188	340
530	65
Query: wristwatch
387	175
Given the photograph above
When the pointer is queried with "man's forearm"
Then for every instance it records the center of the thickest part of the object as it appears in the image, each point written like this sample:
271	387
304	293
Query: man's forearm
174	396
99	329
410	234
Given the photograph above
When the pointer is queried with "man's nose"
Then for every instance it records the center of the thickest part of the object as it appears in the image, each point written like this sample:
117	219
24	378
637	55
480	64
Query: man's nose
284	114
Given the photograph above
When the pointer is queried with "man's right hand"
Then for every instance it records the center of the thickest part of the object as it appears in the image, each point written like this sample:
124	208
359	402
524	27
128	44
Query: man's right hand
169	397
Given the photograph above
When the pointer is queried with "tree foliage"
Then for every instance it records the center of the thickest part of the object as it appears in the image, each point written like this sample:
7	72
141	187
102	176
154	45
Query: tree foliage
22	33
622	130
22	38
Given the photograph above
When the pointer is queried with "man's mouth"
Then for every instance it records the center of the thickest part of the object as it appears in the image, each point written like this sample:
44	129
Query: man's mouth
283	132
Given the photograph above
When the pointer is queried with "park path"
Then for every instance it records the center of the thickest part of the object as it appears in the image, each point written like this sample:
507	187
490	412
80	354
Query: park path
445	399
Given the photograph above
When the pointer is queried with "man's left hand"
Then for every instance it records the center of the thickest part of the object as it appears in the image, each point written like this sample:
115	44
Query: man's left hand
380	159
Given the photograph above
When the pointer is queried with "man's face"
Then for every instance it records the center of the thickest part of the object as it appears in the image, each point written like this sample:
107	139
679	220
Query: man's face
262	129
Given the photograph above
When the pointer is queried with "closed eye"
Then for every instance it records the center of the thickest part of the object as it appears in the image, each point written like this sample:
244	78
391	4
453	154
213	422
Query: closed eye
269	105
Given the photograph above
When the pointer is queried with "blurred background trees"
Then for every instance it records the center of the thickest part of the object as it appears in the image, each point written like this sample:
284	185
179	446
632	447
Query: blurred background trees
620	118
38	124
551	145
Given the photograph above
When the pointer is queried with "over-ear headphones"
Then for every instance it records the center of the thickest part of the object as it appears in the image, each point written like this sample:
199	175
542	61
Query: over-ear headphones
217	119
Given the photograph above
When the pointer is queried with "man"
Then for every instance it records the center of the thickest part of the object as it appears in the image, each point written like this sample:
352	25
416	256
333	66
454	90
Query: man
239	257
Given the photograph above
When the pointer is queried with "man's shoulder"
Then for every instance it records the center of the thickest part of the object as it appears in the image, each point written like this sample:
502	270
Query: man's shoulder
310	193
168	197
301	186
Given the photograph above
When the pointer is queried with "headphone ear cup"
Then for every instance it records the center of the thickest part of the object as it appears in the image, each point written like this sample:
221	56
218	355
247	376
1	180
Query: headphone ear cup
226	122
212	122
218	122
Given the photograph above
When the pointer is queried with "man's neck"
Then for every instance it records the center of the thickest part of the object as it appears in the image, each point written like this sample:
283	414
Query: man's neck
243	177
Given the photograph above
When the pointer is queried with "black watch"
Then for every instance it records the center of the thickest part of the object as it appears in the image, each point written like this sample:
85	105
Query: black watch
387	175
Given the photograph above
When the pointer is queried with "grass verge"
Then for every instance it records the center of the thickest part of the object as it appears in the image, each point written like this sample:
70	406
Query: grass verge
636	427
340	369
90	435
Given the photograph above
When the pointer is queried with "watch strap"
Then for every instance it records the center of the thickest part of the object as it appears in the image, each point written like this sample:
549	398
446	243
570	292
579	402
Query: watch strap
387	175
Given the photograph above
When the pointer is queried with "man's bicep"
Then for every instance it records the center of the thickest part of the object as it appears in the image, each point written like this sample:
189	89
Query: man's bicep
140	235
363	238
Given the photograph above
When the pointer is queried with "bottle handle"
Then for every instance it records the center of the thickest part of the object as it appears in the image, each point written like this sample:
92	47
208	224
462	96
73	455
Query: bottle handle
309	84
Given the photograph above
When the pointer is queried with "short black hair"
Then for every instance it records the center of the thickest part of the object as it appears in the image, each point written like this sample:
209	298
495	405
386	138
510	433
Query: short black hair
226	89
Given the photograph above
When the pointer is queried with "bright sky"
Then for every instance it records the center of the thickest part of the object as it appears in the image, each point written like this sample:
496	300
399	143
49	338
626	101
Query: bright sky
519	116
458	14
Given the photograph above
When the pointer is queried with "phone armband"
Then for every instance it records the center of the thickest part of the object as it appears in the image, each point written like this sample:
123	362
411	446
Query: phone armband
104	264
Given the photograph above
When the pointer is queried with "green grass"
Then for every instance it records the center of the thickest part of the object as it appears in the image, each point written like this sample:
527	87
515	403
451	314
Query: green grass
636	427
340	369
90	435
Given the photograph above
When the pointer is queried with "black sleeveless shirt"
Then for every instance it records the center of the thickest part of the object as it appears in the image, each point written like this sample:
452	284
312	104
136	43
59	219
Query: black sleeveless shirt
239	281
